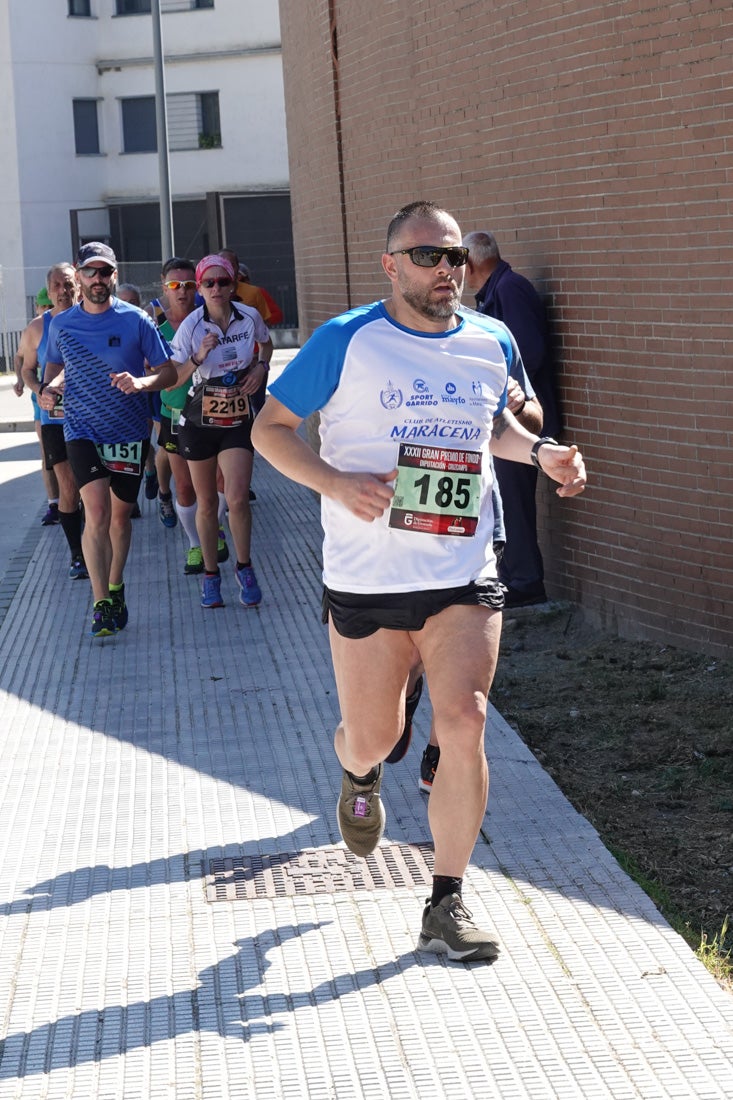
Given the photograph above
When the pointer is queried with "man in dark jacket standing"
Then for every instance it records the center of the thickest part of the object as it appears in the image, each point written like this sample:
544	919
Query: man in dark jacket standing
504	294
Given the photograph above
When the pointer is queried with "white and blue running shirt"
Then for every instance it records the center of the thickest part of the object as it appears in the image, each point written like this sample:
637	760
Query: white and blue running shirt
91	347
378	385
235	347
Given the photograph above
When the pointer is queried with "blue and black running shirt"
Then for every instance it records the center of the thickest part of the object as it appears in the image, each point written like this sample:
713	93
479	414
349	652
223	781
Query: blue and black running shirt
92	346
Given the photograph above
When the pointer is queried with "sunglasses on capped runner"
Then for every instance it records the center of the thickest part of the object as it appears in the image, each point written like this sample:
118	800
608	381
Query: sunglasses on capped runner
89	271
425	255
177	284
222	281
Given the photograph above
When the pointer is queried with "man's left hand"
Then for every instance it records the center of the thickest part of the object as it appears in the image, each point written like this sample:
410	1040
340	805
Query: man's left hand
128	383
564	464
515	396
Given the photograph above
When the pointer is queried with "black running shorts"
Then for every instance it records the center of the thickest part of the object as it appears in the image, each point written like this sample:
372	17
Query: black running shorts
54	445
167	435
196	444
358	615
87	465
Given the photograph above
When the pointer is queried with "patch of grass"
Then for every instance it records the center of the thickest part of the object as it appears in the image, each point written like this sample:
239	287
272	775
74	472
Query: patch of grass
672	779
656	891
714	954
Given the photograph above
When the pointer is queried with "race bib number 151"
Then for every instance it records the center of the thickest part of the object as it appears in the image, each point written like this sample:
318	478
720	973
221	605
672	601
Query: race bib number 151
437	492
122	458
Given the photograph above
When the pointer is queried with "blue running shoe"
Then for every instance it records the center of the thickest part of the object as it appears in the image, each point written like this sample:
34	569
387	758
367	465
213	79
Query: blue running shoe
250	594
167	511
103	620
119	608
211	591
77	569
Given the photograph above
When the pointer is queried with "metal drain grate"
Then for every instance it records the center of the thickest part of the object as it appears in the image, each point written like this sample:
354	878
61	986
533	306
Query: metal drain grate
319	871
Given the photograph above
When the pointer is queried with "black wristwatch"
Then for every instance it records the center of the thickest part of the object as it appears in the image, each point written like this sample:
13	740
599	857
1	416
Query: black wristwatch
536	446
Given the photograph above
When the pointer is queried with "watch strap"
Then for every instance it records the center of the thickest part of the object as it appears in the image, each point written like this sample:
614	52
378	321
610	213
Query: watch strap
540	443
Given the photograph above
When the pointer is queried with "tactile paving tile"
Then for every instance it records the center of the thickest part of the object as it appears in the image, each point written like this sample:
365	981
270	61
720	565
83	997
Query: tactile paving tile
128	765
318	871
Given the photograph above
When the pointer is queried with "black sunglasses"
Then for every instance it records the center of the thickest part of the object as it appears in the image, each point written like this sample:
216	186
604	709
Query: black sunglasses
426	255
103	272
174	284
224	280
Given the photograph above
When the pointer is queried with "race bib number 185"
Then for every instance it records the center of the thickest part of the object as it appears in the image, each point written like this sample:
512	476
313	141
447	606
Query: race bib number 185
437	492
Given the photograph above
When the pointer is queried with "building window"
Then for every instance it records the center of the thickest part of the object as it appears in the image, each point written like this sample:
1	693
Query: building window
138	125
86	127
185	5
133	7
193	121
142	7
80	7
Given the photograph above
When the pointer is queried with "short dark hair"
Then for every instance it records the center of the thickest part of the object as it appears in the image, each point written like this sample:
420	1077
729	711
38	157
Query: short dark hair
178	262
422	208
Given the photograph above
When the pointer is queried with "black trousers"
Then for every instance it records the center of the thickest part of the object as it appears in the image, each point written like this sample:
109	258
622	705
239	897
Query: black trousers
521	566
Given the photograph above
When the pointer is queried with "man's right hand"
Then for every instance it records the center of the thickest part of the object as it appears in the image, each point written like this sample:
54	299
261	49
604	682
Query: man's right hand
367	496
47	399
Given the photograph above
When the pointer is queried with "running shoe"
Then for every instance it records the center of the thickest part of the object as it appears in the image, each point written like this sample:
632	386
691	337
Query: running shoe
103	620
168	515
119	608
151	484
211	591
361	814
250	593
428	767
410	707
77	569
194	561
51	517
448	929
222	549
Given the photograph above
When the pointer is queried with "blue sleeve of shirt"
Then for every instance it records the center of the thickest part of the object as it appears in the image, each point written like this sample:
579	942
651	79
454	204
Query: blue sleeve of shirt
311	378
53	355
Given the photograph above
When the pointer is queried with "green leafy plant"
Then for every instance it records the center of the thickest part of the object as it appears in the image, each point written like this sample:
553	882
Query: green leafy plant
209	141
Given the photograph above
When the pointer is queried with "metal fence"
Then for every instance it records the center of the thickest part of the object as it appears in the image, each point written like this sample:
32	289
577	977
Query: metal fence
145	276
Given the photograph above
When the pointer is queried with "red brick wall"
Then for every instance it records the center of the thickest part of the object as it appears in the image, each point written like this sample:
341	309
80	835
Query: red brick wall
595	141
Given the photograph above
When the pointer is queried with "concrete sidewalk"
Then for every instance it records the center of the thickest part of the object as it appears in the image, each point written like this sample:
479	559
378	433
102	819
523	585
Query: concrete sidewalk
16	413
179	916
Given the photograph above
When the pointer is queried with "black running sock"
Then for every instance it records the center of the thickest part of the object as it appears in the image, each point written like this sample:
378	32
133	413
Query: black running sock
71	526
244	564
166	496
214	574
443	887
364	780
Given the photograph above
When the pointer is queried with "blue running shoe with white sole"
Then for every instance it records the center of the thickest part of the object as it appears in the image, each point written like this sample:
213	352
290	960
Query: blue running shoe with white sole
250	594
211	590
